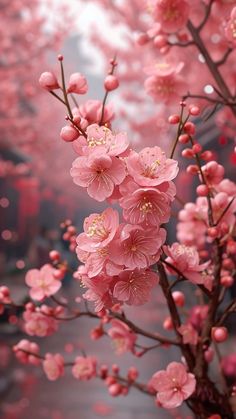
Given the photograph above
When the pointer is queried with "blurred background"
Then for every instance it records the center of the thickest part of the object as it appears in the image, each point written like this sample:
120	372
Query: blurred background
37	193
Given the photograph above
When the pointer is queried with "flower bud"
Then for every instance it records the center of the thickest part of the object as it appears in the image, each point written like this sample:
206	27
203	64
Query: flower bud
69	134
48	81
111	83
77	84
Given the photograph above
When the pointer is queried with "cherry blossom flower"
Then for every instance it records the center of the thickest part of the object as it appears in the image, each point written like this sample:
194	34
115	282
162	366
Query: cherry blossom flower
134	287
150	167
188	333
167	86
173	385
42	282
137	247
84	368
113	144
25	350
38	324
171	14
123	338
186	260
53	366
98	291
99	229
146	206
99	173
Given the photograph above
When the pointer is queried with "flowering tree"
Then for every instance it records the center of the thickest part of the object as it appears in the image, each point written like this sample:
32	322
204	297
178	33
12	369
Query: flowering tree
124	257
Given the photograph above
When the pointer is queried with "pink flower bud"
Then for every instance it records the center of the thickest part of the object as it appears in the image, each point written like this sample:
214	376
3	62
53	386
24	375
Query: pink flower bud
111	83
192	169
209	355
197	148
187	153
178	298
132	374
219	334
227	281
54	255
202	190
77	84
207	155
168	324
48	81
183	138
189	128
142	39
160	41
69	134
173	119
115	389
212	232
194	110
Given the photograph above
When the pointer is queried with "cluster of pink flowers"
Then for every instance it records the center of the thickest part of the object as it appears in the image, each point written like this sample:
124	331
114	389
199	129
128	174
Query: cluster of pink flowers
117	257
40	321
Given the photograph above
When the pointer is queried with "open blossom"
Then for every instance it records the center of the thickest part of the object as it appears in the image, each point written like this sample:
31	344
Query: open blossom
171	14
53	366
173	385
164	82
114	144
186	260
122	336
150	167
98	291
137	247
84	368
42	282
99	173
147	206
99	230
38	324
134	287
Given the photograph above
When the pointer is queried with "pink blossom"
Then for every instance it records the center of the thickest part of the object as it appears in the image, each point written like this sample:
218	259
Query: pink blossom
84	368
48	81
197	316
137	247
188	333
230	29
53	366
213	173
134	287
77	84
99	230
171	14
113	144
91	111
99	173
186	260
39	324
146	206
165	83
122	336
42	282
27	352
173	385
150	167
98	291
